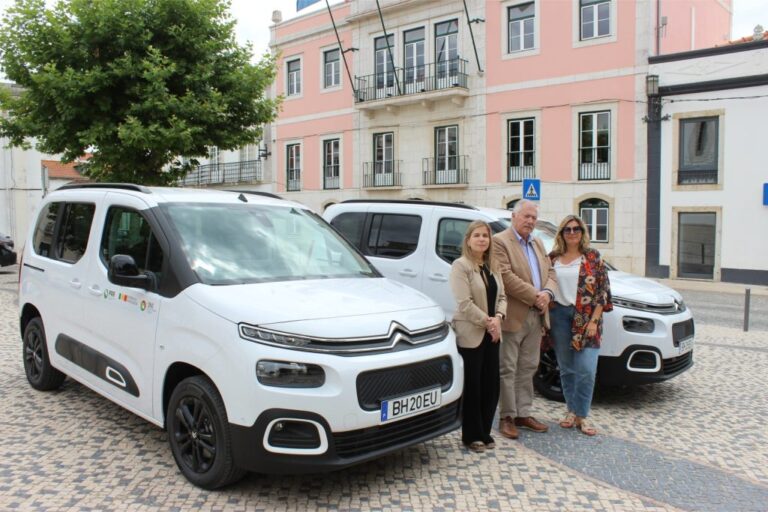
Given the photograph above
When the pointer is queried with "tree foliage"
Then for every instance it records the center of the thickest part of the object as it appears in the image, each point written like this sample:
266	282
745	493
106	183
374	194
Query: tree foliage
136	83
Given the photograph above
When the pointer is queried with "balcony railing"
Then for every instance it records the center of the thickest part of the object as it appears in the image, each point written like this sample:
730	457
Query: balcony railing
382	174
293	184
434	76
248	171
331	177
451	170
518	173
698	177
597	171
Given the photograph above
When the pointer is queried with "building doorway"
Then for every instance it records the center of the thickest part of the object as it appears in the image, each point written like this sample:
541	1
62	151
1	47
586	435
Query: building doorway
696	240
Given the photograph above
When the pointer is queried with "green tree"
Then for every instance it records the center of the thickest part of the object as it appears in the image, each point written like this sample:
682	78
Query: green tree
136	83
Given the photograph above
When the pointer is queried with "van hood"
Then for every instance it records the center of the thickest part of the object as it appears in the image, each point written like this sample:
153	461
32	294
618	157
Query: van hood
322	307
641	289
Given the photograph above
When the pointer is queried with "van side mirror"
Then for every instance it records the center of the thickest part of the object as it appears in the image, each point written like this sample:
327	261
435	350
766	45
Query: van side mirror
123	271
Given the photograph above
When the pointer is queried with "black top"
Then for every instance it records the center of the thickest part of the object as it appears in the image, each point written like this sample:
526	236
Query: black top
491	288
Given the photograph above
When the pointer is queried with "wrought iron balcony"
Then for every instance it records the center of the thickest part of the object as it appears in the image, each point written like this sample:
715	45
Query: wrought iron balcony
450	170
247	171
598	171
293	184
697	177
426	78
518	173
382	174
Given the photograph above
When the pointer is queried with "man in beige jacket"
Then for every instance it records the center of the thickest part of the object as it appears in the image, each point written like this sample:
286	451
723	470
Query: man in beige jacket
529	283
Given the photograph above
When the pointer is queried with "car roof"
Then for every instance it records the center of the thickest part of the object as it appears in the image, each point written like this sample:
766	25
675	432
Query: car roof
154	196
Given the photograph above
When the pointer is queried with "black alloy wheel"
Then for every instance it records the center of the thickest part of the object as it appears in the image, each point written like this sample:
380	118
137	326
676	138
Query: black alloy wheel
199	434
37	366
547	377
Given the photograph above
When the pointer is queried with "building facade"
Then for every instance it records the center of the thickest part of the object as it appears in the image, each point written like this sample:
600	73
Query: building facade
707	178
462	101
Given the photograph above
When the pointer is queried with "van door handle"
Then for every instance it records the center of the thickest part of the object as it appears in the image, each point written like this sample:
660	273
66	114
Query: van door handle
75	283
95	290
407	273
439	278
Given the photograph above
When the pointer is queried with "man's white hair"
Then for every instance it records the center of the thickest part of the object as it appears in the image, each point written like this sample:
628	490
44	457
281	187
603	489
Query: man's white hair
519	205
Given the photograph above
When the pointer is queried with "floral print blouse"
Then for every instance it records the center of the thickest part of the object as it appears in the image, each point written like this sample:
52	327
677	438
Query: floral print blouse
594	289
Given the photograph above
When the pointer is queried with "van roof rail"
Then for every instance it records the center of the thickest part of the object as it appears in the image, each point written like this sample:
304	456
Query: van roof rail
119	186
411	201
256	193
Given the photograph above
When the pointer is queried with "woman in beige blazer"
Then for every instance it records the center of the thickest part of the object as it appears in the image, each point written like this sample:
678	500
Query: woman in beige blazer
480	308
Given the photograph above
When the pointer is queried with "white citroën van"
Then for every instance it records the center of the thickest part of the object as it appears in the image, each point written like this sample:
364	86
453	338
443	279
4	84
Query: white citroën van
243	324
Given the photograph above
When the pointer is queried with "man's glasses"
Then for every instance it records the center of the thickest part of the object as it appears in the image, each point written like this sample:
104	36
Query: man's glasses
568	229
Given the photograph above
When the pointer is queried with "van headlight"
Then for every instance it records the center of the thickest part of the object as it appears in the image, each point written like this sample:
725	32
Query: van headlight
637	324
268	337
285	374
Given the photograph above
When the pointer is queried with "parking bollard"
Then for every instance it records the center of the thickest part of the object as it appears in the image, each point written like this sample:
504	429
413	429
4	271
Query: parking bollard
747	293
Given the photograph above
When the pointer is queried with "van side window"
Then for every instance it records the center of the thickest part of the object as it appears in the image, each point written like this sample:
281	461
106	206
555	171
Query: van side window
351	225
450	237
74	231
68	241
46	223
126	231
393	236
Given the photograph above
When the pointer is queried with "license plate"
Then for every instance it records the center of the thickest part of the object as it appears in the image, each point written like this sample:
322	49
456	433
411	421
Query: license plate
410	404
686	345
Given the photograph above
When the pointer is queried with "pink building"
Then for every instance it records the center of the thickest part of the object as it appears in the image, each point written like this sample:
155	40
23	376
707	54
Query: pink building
461	101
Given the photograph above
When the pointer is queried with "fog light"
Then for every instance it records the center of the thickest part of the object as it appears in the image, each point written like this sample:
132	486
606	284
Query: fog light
637	324
285	374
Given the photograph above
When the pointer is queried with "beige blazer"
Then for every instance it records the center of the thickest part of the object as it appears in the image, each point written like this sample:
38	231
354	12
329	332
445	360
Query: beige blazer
518	281
472	302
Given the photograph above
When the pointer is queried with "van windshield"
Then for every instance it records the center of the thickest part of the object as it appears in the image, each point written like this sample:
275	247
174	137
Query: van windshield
244	243
544	230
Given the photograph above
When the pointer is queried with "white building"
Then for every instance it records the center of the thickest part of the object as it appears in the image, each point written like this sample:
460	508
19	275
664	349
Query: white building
707	170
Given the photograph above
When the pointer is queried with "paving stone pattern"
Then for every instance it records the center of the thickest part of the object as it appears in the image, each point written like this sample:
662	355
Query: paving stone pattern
697	442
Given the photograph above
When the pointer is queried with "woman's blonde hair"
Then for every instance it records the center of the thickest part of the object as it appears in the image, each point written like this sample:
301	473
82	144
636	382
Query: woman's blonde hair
560	247
467	252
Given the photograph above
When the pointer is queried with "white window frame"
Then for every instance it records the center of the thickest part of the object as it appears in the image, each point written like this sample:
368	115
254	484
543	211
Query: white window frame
528	22
592	223
576	112
335	69
296	170
451	47
521	121
299	90
594	147
611	37
417	70
323	158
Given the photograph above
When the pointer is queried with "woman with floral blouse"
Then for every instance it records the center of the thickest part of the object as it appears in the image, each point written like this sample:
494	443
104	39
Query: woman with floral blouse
576	320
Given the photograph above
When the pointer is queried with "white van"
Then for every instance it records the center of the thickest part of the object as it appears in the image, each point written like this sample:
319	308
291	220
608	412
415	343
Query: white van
647	338
242	324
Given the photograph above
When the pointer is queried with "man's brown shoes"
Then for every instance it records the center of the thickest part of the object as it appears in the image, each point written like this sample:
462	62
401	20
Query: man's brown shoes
531	423
507	428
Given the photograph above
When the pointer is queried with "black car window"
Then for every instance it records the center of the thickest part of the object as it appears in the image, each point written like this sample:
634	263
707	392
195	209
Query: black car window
126	231
351	225
74	231
393	236
46	223
450	237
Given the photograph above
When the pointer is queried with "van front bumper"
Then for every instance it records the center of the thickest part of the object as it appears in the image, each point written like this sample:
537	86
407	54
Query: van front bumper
294	442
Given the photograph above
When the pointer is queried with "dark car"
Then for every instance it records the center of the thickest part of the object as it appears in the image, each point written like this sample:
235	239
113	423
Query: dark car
7	255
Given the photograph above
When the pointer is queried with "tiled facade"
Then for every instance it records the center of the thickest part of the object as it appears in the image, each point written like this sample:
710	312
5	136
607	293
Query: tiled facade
472	101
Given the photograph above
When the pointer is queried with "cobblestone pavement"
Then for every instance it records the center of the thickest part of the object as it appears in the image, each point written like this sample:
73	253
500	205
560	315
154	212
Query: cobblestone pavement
697	442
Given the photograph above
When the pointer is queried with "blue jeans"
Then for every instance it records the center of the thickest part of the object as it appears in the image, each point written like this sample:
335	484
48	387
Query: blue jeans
577	367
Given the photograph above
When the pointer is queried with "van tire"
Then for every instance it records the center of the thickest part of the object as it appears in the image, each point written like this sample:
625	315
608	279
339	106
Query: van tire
546	380
37	365
199	434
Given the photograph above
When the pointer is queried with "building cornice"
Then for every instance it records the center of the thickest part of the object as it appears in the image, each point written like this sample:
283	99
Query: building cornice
714	85
707	52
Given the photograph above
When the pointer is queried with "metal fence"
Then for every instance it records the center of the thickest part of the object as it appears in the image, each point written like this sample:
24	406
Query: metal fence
412	80
450	170
248	171
382	174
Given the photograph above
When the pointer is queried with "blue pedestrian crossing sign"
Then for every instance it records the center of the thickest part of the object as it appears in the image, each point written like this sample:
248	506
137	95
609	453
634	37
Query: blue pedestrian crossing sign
532	190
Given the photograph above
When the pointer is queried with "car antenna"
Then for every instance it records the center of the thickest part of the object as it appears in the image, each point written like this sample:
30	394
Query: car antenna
242	198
